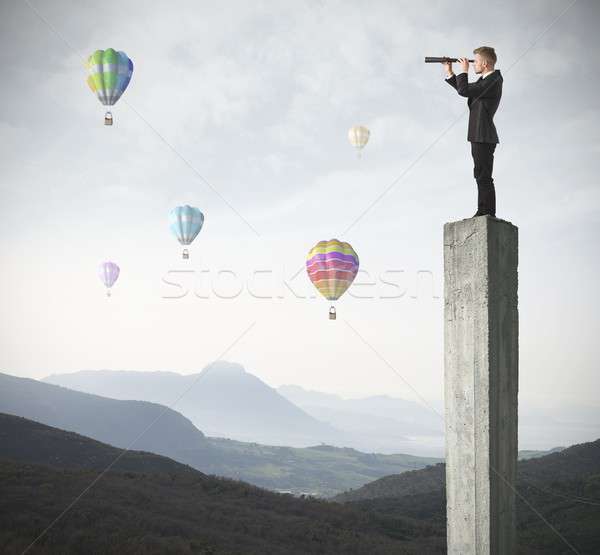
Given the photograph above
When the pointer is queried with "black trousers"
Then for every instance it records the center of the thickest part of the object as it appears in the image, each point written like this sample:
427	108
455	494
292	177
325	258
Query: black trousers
483	160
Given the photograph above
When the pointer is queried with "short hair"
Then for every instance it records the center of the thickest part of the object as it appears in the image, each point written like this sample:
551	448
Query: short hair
487	53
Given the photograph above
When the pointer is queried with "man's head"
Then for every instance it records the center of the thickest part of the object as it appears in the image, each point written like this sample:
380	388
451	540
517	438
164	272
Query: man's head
485	59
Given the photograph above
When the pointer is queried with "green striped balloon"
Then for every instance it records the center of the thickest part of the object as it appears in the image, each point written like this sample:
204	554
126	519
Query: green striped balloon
109	74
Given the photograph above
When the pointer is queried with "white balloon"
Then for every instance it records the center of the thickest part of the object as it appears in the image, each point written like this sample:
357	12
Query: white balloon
358	136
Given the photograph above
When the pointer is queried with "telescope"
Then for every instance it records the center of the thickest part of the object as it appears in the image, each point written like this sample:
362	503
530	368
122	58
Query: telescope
441	60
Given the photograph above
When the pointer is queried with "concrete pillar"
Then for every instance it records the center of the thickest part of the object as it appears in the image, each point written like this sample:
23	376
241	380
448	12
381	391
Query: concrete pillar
481	373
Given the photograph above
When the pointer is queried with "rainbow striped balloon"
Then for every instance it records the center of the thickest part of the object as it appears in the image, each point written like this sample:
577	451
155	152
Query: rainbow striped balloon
332	266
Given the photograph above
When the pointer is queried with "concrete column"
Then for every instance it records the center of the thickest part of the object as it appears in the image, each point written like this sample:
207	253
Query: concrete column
481	367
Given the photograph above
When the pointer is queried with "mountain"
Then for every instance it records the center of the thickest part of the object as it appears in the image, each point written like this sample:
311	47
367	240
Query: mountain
579	460
223	400
256	412
28	441
386	424
531	454
563	487
378	423
320	470
416	482
415	418
116	422
150	504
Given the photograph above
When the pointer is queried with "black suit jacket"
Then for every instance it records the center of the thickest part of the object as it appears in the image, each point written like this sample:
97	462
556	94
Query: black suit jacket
483	100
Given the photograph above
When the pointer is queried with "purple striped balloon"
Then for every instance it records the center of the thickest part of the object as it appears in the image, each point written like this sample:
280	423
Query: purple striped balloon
108	273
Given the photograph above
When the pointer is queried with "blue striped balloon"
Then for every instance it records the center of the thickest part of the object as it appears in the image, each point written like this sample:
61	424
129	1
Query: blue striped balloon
185	222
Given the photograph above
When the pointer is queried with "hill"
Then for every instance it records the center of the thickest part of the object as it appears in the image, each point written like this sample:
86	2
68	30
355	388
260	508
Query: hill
564	487
149	504
381	423
388	425
578	460
112	421
31	442
223	400
322	470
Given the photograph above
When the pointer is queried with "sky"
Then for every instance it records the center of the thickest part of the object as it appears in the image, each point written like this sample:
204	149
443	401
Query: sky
242	109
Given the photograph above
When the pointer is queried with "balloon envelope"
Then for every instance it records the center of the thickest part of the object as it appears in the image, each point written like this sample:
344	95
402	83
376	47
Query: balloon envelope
185	222
108	272
109	74
358	136
332	266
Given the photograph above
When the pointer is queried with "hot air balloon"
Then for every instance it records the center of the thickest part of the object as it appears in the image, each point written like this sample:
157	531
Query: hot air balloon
108	272
358	137
332	266
109	74
185	223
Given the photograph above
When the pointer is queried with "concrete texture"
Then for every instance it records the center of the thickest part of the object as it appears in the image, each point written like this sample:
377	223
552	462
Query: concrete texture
481	366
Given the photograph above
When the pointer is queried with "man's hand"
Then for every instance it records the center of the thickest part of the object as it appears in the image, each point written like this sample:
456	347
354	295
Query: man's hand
464	64
448	66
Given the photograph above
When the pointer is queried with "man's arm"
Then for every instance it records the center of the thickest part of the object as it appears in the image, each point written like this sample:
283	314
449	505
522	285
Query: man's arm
451	80
480	89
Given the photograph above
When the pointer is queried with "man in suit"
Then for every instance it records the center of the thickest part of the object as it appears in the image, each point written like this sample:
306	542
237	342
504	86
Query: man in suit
483	100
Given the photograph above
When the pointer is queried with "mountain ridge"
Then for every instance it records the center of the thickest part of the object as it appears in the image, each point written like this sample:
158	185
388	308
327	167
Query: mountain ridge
119	422
254	411
162	506
580	459
100	417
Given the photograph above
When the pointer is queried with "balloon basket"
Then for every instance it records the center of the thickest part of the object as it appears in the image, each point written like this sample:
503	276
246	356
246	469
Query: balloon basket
185	255
108	118
108	293
332	314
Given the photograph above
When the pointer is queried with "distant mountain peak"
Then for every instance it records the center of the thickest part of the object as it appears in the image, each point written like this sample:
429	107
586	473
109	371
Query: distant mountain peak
225	367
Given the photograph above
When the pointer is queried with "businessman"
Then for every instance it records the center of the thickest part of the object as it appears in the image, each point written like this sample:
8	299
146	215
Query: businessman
483	99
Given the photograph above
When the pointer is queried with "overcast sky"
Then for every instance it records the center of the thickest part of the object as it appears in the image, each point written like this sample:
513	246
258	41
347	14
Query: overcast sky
242	109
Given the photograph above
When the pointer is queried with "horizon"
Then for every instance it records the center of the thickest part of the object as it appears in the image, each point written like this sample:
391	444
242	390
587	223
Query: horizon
41	375
541	428
273	386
